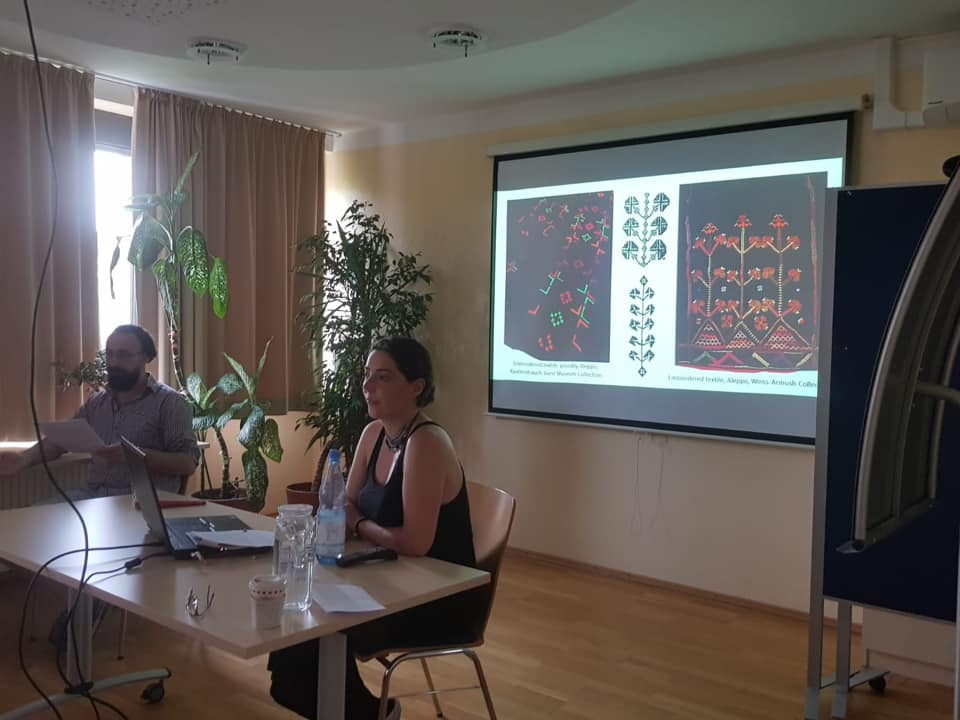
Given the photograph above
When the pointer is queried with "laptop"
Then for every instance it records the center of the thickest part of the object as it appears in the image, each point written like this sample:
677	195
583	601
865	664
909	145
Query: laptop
175	533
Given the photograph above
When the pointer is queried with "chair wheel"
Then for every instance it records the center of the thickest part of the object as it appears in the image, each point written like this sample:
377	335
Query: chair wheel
878	684
153	693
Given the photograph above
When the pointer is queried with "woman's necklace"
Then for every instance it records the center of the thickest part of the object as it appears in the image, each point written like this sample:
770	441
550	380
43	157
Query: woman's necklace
394	444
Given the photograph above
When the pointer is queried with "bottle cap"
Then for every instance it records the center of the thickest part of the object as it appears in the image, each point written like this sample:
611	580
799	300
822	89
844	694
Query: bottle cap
295	509
334	455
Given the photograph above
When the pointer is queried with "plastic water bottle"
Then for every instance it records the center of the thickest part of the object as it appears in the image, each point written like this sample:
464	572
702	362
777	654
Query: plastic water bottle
331	512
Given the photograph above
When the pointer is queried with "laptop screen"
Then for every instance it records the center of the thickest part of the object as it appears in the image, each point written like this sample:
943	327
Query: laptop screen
144	491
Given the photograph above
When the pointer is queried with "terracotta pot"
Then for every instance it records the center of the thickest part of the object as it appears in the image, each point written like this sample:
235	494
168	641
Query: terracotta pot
239	502
301	493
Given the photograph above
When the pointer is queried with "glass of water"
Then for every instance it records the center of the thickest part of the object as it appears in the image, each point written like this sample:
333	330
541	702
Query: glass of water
293	548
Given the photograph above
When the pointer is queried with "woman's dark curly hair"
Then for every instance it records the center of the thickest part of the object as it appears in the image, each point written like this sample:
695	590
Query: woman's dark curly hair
413	361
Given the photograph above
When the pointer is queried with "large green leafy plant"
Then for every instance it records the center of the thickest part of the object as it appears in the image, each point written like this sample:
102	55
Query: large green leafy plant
259	435
362	290
178	258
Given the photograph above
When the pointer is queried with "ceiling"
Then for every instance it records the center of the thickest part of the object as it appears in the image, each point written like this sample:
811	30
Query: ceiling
350	65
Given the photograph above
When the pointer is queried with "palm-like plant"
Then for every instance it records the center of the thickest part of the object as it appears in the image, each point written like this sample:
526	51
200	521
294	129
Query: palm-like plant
362	290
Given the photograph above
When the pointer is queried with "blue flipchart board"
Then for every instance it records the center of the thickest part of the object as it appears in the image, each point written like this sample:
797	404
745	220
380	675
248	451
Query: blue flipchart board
914	570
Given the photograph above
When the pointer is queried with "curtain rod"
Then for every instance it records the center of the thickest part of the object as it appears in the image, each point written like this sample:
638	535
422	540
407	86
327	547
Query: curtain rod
48	61
136	86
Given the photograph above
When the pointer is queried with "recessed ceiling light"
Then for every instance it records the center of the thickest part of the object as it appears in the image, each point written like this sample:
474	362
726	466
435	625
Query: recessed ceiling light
215	51
457	38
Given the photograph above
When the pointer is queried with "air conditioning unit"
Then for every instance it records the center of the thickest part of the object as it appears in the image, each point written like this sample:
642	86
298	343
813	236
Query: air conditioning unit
941	87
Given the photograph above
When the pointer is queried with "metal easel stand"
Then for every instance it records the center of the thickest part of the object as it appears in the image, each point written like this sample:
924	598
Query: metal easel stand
82	653
816	682
956	657
873	677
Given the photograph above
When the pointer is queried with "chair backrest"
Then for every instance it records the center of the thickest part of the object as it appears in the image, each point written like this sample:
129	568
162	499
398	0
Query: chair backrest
491	515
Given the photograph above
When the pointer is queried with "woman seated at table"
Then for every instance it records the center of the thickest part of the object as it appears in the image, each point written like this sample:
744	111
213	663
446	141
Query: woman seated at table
406	490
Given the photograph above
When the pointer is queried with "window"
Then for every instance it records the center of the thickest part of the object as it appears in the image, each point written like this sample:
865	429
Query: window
113	179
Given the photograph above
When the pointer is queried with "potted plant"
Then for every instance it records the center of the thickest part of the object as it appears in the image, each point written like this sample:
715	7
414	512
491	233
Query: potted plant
362	290
92	376
259	435
178	257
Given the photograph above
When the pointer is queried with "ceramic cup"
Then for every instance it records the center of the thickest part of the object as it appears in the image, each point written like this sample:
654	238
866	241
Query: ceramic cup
267	595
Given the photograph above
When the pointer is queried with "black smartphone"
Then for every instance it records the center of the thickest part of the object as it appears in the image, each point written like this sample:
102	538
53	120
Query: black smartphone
363	556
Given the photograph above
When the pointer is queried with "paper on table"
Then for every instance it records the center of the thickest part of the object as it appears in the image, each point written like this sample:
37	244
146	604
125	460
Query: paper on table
234	538
72	435
343	598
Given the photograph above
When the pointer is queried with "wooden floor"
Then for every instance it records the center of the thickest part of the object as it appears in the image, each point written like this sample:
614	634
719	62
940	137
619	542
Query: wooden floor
561	644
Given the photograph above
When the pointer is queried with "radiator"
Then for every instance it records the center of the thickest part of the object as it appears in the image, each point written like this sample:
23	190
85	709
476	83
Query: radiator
32	486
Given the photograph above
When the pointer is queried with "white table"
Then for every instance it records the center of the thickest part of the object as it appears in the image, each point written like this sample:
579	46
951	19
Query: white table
158	589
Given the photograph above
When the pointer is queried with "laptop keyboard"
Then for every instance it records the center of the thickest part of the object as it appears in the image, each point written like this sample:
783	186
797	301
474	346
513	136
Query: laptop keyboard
179	529
179	538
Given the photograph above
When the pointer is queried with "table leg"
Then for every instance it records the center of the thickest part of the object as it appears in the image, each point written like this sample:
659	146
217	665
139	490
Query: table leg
331	666
80	653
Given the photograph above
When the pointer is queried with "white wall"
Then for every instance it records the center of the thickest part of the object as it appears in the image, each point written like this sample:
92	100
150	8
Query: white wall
723	516
911	646
720	516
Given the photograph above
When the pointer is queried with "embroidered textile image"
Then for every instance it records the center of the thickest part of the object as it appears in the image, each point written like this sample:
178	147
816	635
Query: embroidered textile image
557	292
644	228
641	325
748	285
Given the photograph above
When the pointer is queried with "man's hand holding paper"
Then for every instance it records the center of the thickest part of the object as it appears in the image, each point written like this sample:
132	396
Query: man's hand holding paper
73	435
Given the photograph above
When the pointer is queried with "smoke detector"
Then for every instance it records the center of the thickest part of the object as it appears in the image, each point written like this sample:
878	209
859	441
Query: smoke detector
457	38
215	51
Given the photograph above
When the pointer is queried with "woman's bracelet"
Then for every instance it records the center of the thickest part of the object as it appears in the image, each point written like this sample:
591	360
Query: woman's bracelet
356	526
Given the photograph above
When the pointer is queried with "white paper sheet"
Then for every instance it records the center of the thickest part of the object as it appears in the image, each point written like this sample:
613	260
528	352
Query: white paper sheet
234	538
343	598
72	435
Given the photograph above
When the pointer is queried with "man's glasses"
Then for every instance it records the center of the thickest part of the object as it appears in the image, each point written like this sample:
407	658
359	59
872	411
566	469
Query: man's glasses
120	355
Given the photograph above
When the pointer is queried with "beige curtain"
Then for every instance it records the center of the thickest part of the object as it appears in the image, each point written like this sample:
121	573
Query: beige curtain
256	190
67	321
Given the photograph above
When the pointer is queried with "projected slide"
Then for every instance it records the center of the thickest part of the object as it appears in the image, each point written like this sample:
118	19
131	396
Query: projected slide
665	282
669	284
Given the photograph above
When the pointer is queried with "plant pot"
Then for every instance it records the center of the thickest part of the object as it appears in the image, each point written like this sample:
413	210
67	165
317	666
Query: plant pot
239	502
301	494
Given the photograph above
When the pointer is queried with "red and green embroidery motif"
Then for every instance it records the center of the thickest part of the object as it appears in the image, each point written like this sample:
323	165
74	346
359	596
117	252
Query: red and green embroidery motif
557	292
751	285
